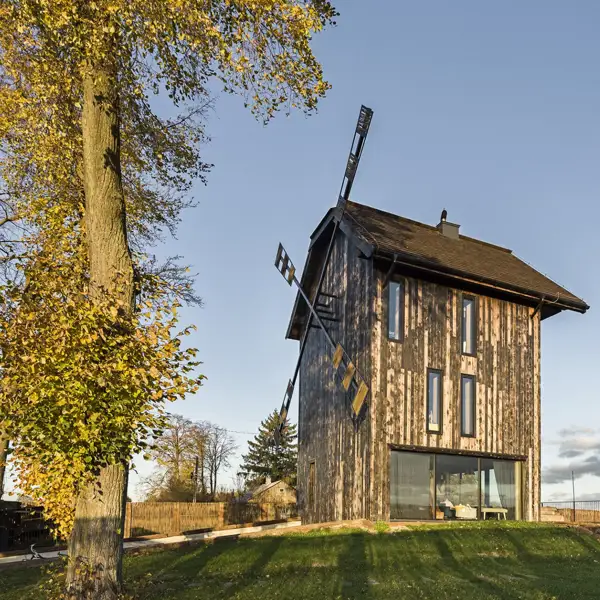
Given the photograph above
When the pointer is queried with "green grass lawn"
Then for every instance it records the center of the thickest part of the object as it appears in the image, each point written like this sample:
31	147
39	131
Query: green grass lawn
462	561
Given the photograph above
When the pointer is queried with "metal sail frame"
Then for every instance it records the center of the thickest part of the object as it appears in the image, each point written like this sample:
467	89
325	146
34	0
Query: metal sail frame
351	377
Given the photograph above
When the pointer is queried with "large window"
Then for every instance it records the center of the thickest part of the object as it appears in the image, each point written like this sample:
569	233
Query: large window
467	405
395	310
434	401
426	485
411	491
469	325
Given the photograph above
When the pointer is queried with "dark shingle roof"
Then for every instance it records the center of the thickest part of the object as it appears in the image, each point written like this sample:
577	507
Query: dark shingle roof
419	243
425	248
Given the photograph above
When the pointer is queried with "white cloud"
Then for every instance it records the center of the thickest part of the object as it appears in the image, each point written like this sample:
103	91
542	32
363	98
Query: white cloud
582	446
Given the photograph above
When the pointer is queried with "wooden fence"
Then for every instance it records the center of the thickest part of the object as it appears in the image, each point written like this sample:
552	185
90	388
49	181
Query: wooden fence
175	518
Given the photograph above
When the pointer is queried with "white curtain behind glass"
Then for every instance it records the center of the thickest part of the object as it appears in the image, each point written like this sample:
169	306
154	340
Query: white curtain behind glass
504	471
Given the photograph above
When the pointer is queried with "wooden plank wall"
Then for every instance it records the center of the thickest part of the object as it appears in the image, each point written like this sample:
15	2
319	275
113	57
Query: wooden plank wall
326	433
507	370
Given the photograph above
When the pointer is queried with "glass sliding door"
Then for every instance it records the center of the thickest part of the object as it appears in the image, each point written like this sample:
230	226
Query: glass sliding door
450	486
500	489
456	486
411	489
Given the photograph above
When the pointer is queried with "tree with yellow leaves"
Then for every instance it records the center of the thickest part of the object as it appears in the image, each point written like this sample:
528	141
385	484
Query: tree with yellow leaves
90	351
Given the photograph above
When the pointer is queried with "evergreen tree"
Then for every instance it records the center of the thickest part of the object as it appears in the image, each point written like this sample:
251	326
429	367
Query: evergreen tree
264	459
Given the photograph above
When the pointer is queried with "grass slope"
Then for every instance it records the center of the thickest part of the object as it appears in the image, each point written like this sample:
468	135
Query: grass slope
466	561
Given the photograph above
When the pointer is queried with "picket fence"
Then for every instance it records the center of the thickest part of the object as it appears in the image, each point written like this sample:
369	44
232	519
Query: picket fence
175	518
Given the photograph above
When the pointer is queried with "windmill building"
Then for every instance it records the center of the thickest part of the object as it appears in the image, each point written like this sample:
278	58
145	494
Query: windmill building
419	370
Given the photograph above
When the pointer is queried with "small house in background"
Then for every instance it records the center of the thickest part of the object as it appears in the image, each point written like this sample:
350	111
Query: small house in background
276	492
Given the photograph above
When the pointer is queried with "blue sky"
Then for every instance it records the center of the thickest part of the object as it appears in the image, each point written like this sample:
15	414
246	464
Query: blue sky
487	109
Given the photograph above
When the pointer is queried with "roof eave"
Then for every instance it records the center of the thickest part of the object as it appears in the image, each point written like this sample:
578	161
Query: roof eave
561	304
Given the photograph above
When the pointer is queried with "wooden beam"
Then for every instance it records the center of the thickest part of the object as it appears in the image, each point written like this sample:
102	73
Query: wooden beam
459	452
366	248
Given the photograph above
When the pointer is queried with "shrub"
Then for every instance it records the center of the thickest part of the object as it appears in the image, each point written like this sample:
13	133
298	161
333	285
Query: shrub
381	527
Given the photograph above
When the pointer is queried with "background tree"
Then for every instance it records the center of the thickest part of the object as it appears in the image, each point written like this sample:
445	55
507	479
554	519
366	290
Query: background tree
220	447
88	159
175	451
264	459
158	488
239	485
200	435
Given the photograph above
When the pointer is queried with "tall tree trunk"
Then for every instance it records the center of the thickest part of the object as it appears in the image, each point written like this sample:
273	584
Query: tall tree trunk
202	475
213	482
3	457
96	544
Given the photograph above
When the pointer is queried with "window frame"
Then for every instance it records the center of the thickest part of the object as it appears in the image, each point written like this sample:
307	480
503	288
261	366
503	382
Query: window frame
473	298
401	281
434	453
441	402
473	378
312	484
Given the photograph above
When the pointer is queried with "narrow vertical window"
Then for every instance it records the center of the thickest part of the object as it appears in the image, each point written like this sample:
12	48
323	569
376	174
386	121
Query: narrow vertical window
395	310
469	325
311	485
467	405
434	401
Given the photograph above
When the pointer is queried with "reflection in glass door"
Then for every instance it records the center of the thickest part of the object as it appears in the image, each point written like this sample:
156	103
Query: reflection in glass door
411	485
500	489
456	486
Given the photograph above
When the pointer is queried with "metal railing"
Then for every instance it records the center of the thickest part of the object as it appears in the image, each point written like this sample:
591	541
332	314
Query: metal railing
21	526
587	511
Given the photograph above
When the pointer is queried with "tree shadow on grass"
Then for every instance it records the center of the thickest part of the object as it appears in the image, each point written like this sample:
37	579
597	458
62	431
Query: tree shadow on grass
460	568
353	569
269	547
190	568
587	539
585	542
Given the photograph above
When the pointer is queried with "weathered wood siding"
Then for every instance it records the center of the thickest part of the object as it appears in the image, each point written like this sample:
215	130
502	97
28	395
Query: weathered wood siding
507	371
326	432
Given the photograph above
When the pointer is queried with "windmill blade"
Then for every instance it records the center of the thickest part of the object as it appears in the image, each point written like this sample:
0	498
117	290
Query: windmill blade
287	269
283	413
340	359
284	265
358	142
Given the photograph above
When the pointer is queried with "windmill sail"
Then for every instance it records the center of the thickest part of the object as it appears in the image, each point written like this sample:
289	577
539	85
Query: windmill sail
351	378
